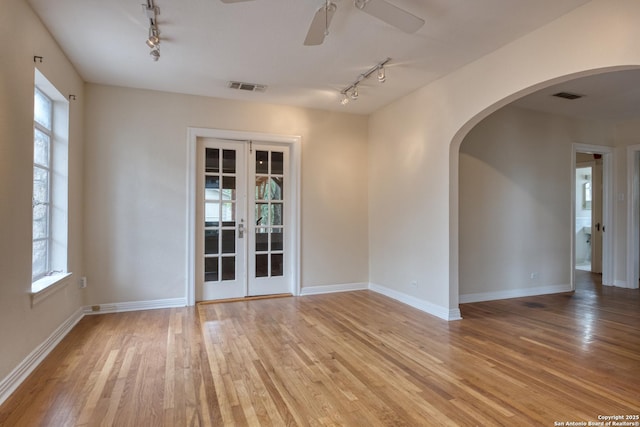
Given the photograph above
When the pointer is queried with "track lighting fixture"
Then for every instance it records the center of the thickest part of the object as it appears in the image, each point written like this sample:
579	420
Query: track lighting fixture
382	76
351	91
153	41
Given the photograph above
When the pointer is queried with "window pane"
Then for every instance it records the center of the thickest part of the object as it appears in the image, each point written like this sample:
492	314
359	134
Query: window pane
39	260
42	109
228	268
262	162
40	226
212	161
40	211
211	242
276	265
229	161
41	148
211	269
40	185
262	265
277	163
276	239
211	214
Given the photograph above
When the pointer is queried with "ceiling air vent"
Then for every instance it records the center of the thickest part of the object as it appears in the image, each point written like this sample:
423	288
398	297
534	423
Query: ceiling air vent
251	87
567	95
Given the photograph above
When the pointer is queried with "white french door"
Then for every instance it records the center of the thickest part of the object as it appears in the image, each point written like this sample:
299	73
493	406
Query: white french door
242	219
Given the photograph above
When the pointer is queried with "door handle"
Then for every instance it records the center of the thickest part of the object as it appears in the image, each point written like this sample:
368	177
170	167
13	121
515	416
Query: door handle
241	230
598	226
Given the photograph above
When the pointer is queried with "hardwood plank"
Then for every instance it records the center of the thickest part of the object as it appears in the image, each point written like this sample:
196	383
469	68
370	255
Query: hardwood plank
354	358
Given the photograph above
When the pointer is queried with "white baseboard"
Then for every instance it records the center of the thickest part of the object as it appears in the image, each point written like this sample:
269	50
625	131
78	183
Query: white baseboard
327	289
119	307
514	293
420	304
11	382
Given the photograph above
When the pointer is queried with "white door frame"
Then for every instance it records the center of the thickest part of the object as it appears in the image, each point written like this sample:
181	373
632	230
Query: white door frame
294	143
607	209
633	216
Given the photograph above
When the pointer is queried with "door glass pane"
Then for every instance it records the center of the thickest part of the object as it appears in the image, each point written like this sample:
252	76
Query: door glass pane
211	242
262	265
228	187
262	191
211	269
228	161
262	213
262	239
228	241
211	214
211	188
277	163
228	268
212	162
276	239
262	162
276	214
228	214
276	265
276	187
41	148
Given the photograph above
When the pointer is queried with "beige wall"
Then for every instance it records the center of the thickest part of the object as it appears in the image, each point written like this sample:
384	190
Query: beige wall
25	327
515	203
136	198
416	234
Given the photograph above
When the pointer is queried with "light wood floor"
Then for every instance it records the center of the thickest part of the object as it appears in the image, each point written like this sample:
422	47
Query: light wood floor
354	359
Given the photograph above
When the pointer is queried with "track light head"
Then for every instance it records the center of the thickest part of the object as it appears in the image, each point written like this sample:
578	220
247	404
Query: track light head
345	99
153	41
354	93
382	75
155	54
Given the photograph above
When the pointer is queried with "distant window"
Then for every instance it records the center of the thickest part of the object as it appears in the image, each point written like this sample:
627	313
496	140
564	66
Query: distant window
50	183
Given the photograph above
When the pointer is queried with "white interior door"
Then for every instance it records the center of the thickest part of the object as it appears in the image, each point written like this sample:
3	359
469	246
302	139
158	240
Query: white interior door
243	219
269	219
220	218
598	227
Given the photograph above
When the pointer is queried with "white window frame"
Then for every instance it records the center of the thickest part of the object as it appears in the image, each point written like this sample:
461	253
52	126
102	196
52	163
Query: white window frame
47	238
57	267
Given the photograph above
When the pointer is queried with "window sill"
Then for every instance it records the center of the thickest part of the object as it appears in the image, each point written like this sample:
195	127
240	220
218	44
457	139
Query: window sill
42	288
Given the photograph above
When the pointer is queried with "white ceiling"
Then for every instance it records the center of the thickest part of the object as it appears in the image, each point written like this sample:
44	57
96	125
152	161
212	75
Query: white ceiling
608	96
206	43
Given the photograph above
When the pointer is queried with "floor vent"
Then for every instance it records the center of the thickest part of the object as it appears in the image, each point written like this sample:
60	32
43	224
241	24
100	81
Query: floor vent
251	87
567	95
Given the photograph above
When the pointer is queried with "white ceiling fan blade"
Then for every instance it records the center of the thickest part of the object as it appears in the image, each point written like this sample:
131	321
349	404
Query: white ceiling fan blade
320	25
391	14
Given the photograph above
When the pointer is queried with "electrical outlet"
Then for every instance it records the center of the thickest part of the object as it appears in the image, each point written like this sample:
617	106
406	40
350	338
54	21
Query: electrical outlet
414	284
534	275
82	283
